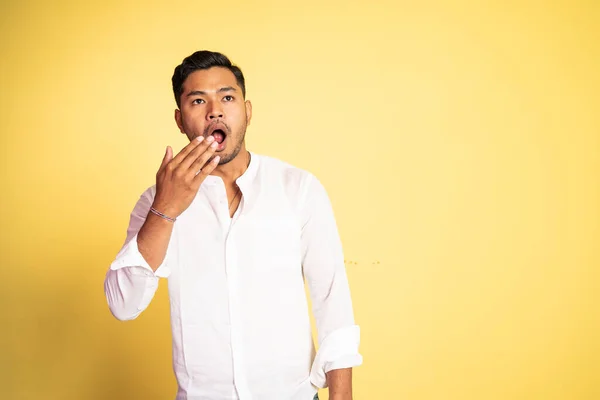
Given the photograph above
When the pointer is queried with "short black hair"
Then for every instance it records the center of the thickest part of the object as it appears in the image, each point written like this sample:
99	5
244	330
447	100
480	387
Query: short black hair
203	59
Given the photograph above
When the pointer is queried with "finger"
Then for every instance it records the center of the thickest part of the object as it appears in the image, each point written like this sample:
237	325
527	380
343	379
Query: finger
208	145
202	159
168	156
187	149
206	170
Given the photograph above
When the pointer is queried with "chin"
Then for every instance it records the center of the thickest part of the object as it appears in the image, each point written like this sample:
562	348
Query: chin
225	158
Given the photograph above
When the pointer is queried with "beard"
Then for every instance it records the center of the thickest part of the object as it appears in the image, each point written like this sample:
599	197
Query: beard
234	140
227	156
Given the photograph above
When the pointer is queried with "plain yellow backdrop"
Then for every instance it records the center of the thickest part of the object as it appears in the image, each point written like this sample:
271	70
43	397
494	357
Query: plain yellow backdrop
459	142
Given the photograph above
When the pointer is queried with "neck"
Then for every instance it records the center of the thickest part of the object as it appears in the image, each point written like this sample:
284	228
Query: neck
233	169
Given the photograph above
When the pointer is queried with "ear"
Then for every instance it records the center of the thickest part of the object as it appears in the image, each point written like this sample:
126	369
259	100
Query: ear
178	120
248	112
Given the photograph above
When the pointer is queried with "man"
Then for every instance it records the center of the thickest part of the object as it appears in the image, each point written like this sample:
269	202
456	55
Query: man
236	234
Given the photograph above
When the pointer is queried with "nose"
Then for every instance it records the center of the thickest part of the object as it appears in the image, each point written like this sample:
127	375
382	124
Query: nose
215	111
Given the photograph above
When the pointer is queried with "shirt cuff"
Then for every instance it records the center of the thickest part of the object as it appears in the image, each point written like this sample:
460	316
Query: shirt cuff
338	350
130	256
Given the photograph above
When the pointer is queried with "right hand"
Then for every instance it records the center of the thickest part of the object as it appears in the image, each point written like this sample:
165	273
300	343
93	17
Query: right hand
178	179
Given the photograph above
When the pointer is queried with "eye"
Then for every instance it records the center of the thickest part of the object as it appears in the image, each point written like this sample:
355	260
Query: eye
198	101
228	98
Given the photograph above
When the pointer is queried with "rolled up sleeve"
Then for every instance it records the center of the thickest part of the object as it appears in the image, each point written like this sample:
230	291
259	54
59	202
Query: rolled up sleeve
325	274
130	283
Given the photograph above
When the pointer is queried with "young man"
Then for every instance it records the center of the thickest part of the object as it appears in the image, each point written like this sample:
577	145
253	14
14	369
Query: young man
236	234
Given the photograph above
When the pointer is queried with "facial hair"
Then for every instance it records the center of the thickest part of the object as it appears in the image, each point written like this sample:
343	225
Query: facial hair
225	158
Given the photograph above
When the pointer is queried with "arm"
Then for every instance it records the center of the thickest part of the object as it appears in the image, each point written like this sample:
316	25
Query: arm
340	384
131	282
132	279
325	273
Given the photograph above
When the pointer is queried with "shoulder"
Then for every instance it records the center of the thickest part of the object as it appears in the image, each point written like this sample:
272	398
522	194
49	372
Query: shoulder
300	186
289	175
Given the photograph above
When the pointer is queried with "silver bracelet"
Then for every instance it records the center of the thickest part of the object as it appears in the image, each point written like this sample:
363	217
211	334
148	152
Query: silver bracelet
156	212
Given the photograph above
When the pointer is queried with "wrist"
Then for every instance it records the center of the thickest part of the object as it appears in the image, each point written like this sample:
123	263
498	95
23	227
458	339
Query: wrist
164	209
167	215
161	215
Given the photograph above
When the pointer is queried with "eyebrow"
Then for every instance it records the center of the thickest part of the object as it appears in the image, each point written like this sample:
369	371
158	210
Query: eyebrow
203	93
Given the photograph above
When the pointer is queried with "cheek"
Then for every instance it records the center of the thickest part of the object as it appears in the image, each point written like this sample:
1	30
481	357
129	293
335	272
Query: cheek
239	115
193	123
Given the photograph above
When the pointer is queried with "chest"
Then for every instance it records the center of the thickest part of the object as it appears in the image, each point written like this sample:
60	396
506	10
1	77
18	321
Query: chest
263	237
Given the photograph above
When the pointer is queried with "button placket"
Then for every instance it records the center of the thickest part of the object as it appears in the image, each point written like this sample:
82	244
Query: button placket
231	267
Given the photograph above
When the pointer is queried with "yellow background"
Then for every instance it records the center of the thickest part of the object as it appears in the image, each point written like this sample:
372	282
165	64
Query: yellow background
459	143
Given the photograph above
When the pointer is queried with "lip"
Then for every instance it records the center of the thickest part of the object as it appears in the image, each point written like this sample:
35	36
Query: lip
219	126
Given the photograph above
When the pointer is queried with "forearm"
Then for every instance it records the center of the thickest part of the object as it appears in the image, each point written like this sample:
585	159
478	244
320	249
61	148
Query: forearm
153	239
340	384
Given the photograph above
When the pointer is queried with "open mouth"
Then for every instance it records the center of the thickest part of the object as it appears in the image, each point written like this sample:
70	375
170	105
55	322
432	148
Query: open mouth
219	132
219	135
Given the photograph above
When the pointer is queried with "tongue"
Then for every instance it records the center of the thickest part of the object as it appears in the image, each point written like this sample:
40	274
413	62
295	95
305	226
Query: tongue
218	137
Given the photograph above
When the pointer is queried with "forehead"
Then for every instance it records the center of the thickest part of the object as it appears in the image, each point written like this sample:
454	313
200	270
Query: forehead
208	80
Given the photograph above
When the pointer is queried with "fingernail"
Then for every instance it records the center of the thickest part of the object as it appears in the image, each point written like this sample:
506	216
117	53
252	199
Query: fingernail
210	139
216	159
200	138
214	144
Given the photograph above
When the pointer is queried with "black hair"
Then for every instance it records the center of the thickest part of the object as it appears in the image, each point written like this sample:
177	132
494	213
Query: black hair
203	59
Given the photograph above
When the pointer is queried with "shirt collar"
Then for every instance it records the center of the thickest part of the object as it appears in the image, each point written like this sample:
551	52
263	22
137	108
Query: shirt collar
245	180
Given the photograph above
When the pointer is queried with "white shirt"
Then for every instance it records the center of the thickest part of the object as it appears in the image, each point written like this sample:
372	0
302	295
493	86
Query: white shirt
239	312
